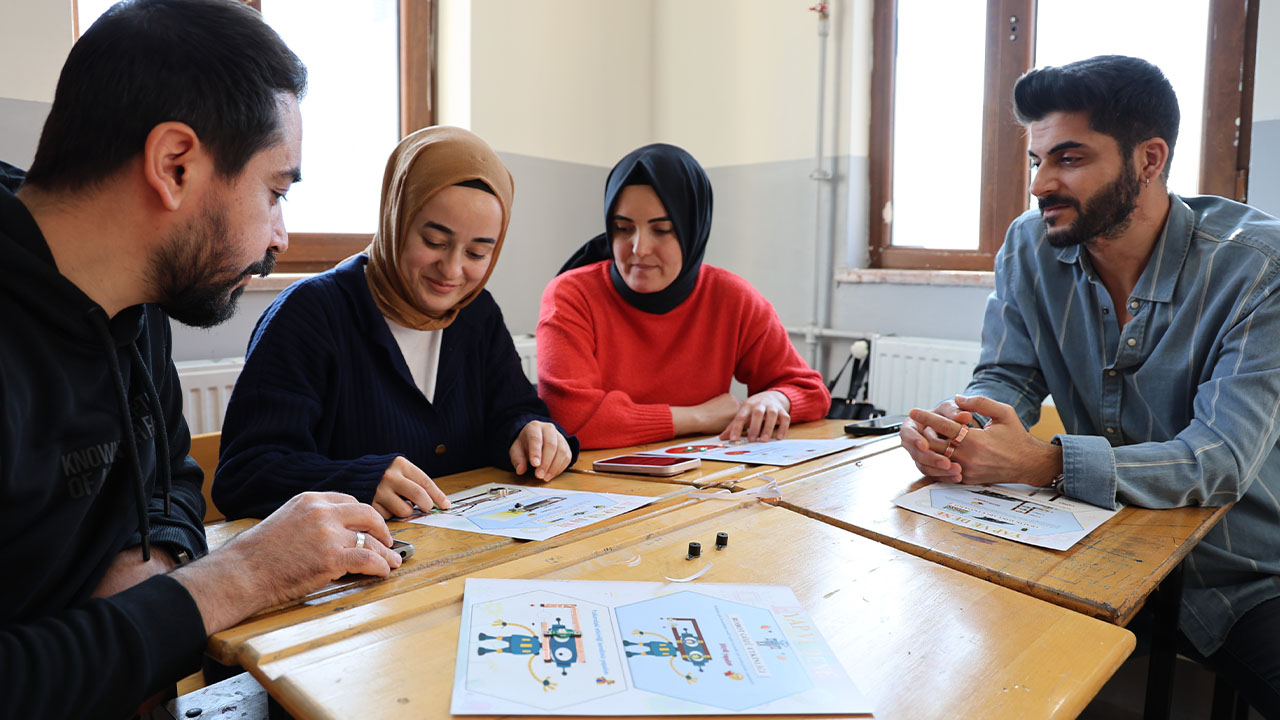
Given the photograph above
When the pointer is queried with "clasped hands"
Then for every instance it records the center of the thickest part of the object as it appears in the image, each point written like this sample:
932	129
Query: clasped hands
1000	452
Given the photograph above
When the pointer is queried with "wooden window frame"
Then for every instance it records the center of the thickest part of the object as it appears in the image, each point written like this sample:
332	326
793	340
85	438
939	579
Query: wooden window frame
316	252
1010	51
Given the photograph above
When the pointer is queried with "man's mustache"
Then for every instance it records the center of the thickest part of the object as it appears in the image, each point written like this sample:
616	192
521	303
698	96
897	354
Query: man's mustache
263	267
1053	200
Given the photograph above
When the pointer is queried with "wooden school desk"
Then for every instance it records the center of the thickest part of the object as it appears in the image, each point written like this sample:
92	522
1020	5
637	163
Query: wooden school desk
439	553
1108	575
715	473
919	639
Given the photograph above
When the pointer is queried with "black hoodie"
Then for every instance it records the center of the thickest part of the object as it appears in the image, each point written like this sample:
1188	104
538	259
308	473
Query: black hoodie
72	384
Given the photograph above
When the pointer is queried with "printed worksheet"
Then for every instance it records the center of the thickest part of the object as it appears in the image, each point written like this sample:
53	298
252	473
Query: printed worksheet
527	513
546	647
1036	516
772	452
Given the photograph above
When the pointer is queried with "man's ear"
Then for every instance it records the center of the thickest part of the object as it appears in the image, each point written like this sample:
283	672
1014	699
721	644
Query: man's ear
173	161
1151	157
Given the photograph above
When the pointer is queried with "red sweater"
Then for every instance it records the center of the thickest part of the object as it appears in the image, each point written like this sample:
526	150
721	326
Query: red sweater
610	372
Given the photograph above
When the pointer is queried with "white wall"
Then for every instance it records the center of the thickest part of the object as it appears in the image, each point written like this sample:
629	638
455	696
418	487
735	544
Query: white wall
1266	84
1264	172
563	79
35	37
563	86
738	79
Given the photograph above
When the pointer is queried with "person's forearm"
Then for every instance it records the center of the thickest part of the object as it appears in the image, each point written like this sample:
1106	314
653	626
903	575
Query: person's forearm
102	657
689	420
1047	465
221	586
128	570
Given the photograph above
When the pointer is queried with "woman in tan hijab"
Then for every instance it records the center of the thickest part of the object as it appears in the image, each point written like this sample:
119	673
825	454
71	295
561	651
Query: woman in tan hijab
395	366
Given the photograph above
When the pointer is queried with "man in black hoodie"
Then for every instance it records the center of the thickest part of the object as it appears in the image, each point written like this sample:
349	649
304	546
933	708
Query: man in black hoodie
155	192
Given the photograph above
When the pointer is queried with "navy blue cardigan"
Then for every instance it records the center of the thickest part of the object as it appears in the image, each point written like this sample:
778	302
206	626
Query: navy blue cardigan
326	401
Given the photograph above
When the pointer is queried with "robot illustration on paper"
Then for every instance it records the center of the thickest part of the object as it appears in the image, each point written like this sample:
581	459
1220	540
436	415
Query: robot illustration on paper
558	643
689	646
520	510
773	643
461	505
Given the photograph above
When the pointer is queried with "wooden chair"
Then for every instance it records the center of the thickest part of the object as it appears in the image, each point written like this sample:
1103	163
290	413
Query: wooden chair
204	450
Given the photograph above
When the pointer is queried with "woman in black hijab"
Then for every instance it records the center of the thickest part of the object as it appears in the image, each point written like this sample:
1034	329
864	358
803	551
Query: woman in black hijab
638	340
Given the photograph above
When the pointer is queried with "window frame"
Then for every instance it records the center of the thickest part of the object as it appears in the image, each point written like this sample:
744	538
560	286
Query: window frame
1010	51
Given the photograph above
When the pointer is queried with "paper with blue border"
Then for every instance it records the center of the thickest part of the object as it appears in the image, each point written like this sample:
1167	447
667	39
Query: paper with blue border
548	647
528	513
1032	515
789	451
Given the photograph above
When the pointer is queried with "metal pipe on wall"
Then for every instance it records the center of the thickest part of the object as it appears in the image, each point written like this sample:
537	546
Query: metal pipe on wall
823	237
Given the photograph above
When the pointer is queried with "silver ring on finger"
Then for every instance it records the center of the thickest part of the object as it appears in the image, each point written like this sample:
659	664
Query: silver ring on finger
360	538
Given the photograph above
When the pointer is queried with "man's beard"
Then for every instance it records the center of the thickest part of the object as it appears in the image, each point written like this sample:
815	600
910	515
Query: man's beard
1106	214
196	273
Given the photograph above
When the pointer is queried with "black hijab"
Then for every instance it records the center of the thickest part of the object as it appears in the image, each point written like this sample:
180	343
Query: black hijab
685	191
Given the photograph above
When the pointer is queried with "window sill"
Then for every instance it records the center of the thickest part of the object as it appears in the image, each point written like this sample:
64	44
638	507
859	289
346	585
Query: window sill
274	282
867	276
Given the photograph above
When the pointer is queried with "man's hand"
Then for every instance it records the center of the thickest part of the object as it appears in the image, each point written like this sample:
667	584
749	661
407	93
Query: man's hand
404	485
920	439
1001	452
759	416
713	415
307	543
540	446
128	570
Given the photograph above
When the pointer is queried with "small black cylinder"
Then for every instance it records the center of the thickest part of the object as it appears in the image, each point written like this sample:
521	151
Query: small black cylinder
695	550
722	540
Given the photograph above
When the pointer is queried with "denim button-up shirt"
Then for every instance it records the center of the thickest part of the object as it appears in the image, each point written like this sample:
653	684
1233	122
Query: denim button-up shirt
1180	406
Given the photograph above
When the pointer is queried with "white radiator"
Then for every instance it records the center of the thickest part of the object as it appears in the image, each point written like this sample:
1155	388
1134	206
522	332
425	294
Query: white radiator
910	372
527	349
206	390
206	384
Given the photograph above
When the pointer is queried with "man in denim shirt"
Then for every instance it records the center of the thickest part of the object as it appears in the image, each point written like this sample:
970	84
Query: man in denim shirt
1154	321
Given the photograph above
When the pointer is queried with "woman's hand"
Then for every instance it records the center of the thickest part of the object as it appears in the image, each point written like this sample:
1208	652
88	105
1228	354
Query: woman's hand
403	486
760	416
541	446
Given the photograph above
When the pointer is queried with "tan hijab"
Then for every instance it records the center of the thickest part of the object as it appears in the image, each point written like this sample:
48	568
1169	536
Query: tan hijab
423	164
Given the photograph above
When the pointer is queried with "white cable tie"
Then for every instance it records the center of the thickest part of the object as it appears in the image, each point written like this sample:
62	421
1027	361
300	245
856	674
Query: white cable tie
692	577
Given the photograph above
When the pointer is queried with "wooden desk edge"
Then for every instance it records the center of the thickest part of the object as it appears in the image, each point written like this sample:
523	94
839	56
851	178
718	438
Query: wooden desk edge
1120	615
230	646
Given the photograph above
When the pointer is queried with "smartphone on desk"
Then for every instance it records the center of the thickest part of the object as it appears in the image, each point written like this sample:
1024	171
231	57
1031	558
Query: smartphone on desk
886	425
646	465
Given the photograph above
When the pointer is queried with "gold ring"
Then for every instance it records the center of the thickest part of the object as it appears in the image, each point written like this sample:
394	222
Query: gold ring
950	449
959	438
360	540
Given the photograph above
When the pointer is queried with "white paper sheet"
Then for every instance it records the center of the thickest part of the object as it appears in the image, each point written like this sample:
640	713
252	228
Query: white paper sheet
544	647
1031	515
528	513
773	452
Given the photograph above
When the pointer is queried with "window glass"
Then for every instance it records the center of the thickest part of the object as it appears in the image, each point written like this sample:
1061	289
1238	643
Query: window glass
937	124
89	10
937	130
351	113
1173	37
